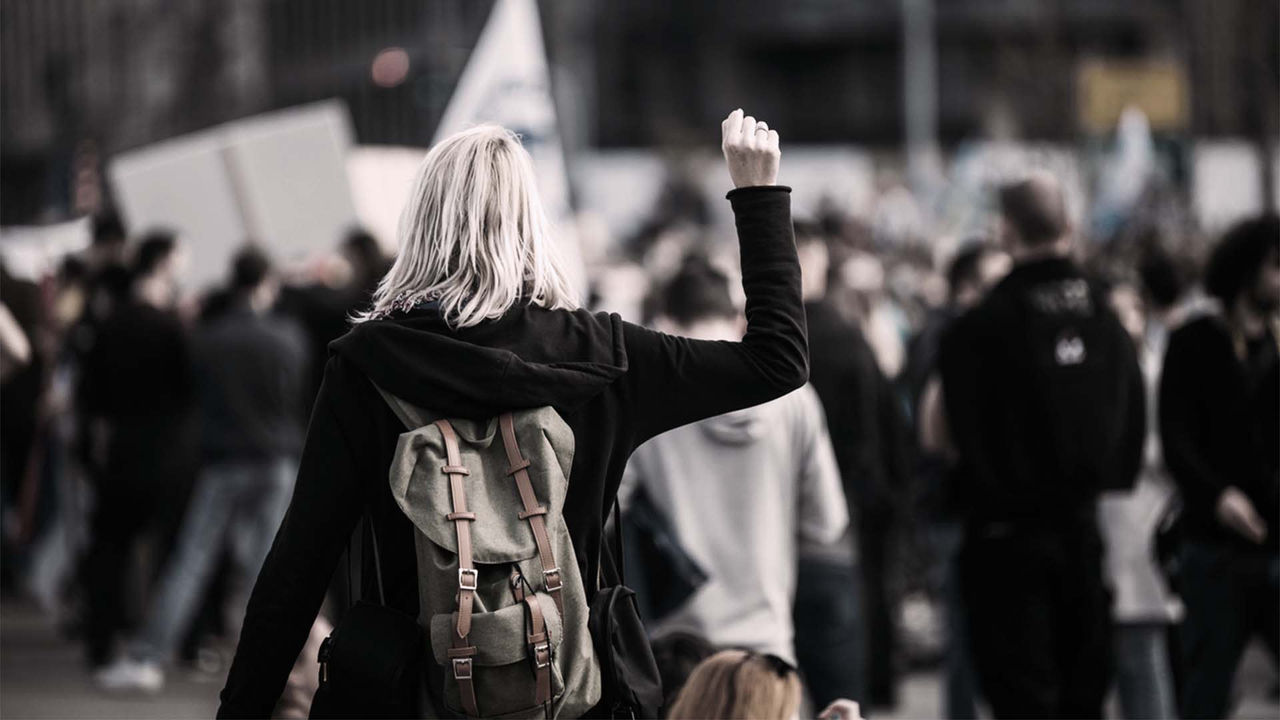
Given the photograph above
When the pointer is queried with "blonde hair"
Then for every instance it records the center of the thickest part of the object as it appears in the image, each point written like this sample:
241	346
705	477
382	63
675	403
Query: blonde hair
473	234
738	684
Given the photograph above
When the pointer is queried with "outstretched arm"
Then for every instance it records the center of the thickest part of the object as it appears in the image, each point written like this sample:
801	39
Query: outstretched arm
676	380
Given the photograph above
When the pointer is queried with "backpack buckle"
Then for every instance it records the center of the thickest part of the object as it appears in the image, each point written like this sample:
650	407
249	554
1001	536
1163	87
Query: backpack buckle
461	666
540	651
547	576
463	584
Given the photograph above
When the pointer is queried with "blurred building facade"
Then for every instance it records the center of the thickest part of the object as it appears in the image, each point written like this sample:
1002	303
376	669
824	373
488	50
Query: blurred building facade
84	79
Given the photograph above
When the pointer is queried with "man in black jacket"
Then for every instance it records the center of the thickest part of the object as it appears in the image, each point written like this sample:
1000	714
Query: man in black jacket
844	373
135	393
1043	402
1219	408
250	372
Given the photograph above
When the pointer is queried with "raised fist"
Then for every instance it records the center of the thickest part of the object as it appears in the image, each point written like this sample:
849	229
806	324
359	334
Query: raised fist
750	150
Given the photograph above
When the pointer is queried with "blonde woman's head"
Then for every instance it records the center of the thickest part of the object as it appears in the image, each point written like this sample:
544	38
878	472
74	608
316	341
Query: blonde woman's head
739	684
473	234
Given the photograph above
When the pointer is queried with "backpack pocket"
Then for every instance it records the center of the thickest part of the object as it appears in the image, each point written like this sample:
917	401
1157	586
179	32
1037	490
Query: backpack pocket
503	666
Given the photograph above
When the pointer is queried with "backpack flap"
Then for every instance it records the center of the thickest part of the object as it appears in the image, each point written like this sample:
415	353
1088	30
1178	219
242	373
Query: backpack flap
423	494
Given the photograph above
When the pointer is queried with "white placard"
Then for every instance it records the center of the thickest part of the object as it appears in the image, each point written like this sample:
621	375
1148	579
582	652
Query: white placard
182	185
1226	182
279	179
32	252
381	178
291	174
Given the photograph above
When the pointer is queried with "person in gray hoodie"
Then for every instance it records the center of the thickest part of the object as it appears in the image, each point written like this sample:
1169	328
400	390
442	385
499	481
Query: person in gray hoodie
745	493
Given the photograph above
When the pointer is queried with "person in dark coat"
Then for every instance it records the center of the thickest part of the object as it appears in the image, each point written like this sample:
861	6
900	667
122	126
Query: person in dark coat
250	371
476	318
1219	415
137	391
1045	408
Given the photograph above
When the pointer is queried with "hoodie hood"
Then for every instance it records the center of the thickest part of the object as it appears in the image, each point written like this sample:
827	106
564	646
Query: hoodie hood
741	427
531	357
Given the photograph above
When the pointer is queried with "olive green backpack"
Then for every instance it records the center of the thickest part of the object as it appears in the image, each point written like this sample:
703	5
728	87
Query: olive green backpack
500	594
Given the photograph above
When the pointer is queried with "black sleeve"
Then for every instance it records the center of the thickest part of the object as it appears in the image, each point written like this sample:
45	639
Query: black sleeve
1184	399
675	381
1134	433
859	447
326	505
959	365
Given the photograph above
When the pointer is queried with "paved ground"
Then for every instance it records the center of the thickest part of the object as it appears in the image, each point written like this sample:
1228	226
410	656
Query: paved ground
41	676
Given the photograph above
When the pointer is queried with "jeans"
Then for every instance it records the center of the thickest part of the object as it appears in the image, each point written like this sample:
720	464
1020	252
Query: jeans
139	497
1144	679
1039	620
960	693
236	503
829	636
1231	596
877	538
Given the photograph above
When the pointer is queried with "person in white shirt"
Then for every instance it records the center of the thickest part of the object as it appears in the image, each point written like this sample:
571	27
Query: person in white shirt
743	492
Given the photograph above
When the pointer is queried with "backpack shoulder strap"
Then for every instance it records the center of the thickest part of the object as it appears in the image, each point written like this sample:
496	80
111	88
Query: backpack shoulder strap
412	417
533	512
463	652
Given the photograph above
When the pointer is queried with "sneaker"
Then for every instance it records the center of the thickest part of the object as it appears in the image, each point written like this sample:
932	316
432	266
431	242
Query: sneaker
130	675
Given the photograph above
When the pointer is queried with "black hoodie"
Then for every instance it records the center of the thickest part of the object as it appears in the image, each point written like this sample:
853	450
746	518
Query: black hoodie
615	384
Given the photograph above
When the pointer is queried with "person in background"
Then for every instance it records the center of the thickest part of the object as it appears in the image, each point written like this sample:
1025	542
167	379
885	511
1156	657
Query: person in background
109	282
325	308
1219	415
250	370
136	391
744	491
975	268
1042	400
844	373
21	381
972	272
1144	607
831	640
744	684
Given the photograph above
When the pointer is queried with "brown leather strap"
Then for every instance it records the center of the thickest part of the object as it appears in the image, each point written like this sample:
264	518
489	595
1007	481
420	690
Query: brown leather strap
462	651
461	518
532	511
461	657
517	586
539	651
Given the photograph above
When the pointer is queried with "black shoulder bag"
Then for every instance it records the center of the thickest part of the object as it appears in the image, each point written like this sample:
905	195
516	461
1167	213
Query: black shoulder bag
631	685
370	663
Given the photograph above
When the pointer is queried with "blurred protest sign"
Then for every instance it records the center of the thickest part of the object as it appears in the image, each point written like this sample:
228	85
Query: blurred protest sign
279	179
32	252
1104	88
1226	182
506	81
381	178
292	177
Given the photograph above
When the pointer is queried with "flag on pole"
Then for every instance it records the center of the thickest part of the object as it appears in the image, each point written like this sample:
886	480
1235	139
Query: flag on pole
507	82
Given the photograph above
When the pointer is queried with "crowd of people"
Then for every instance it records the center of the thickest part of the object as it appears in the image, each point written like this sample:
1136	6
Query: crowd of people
1068	447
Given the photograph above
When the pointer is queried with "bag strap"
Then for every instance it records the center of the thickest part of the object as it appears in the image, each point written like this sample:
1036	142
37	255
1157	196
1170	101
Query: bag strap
611	549
539	640
462	652
533	512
